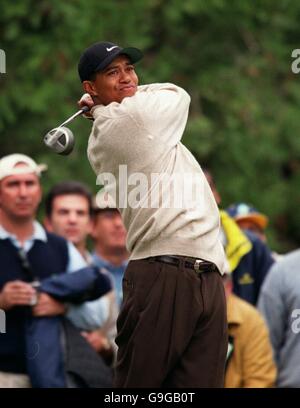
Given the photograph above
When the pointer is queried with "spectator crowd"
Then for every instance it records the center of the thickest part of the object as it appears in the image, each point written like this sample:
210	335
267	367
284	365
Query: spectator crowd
61	287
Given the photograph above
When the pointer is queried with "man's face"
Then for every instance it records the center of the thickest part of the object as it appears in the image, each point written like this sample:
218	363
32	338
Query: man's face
109	230
70	218
117	81
20	196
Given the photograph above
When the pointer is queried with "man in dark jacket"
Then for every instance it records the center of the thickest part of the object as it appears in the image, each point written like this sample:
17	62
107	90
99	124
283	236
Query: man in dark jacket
249	259
29	256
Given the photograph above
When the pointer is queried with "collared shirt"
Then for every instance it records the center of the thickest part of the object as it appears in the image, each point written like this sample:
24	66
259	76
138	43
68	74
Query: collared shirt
38	234
75	261
117	273
99	310
85	316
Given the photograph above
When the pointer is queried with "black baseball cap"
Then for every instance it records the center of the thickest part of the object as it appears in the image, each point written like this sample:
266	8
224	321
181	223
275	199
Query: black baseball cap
98	56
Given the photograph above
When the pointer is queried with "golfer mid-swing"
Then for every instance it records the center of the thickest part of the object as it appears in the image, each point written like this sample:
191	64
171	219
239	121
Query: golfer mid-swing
172	329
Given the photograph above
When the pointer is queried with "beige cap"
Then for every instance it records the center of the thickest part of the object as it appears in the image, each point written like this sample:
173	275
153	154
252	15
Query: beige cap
8	165
104	201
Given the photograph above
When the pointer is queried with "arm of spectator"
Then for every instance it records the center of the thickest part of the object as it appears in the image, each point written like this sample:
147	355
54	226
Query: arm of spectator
263	260
97	340
16	293
100	343
86	284
271	304
85	315
48	306
90	315
103	340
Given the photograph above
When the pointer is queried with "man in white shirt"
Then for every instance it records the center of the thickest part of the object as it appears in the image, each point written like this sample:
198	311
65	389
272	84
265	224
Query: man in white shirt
172	329
109	236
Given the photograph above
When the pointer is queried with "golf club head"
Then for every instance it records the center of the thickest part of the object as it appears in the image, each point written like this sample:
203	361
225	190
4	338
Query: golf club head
60	140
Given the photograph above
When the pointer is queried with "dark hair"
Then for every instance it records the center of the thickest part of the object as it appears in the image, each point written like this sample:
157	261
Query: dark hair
93	76
65	188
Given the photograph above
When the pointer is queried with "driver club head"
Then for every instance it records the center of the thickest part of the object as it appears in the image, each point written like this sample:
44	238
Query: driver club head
60	140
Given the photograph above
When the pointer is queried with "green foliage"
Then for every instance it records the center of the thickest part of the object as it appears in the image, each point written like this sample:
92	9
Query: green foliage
234	58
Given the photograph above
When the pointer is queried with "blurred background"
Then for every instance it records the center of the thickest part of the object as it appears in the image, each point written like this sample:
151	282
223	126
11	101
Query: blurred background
233	57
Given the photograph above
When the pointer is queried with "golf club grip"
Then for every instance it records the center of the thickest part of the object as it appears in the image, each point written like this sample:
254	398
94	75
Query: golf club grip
85	109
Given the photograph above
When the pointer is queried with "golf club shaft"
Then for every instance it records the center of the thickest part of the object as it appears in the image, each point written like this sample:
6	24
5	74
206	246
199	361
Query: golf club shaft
80	112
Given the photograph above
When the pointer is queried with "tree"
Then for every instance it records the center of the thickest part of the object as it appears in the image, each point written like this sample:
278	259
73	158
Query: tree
234	58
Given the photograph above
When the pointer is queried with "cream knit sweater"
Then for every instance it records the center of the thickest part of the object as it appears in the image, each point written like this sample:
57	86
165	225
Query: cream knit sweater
135	150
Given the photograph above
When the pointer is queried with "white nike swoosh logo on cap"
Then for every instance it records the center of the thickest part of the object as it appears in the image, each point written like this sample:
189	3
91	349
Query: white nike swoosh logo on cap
111	48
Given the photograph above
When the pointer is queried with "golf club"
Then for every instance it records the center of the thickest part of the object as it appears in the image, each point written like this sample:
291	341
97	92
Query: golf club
61	139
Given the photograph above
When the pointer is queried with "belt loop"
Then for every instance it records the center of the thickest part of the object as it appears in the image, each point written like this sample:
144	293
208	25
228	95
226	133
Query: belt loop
181	262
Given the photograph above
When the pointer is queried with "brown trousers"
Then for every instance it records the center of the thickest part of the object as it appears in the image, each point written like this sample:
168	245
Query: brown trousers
172	328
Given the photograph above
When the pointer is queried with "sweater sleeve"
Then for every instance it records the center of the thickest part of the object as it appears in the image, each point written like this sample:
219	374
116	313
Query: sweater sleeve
139	130
155	110
159	109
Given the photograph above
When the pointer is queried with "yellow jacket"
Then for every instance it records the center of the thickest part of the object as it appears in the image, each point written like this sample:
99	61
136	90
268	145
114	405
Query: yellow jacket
237	244
251	363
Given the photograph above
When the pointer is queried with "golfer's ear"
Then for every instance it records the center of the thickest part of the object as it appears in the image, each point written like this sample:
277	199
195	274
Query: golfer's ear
89	88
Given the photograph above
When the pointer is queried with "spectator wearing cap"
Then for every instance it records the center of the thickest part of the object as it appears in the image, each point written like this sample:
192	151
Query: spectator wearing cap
249	361
250	219
249	258
109	235
28	254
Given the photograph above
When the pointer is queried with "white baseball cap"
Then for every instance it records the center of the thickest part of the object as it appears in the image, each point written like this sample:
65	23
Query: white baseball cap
8	165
